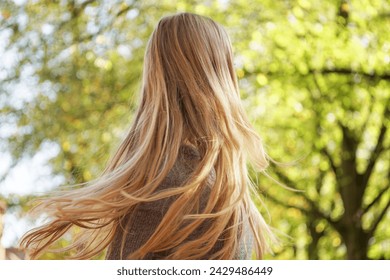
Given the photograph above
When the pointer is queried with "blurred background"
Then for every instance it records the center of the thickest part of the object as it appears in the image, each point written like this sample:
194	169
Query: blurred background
314	79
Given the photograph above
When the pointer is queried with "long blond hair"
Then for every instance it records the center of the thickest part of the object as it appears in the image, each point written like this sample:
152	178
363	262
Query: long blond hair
189	96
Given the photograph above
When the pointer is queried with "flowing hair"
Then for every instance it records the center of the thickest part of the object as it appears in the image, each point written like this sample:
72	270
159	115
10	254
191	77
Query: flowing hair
189	96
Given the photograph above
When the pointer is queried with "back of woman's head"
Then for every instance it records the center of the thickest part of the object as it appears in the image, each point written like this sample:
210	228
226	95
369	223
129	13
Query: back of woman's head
189	96
190	86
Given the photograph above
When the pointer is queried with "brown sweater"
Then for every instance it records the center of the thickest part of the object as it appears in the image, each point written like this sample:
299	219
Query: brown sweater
142	222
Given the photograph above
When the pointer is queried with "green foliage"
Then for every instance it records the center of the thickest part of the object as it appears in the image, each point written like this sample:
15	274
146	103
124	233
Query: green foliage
315	81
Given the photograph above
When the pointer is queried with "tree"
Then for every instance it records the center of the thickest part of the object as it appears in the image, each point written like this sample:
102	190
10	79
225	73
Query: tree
323	89
314	79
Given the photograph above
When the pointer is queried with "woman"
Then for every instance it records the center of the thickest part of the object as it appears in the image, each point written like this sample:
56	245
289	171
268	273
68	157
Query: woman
178	186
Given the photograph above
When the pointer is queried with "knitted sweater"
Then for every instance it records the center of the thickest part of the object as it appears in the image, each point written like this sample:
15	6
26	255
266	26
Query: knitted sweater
142	222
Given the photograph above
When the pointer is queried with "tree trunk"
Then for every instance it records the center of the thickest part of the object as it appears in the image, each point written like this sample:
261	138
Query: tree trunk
356	242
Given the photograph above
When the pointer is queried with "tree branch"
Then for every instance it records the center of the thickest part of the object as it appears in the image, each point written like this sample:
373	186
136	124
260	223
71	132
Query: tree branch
375	200
279	202
348	71
364	126
123	10
319	182
384	15
85	4
322	96
312	204
76	10
377	150
379	219
375	154
287	181
342	71
321	214
325	152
